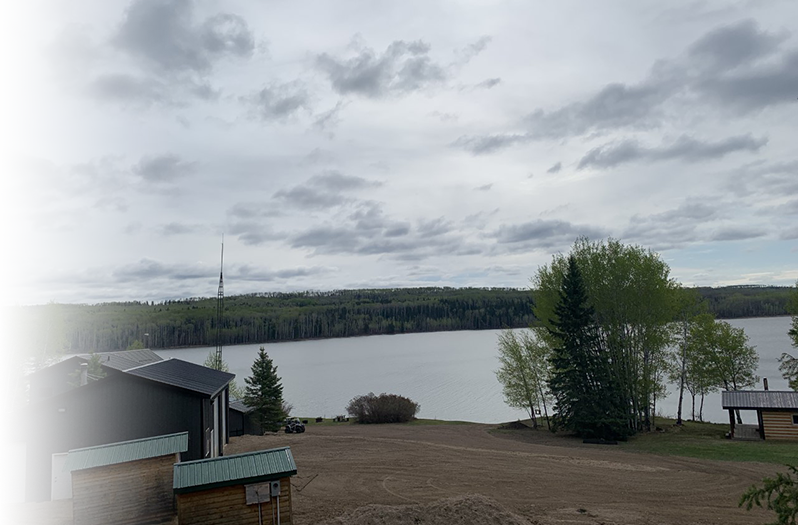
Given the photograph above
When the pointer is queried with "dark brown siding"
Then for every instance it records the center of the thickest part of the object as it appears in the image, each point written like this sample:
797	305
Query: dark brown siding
138	492
229	505
108	411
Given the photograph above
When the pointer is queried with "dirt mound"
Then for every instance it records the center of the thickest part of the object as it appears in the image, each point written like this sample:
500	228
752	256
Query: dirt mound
472	509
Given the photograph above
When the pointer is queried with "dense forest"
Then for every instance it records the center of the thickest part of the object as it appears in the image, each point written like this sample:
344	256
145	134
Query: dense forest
270	317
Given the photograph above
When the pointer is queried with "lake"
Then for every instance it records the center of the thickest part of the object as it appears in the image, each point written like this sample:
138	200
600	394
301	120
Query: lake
450	374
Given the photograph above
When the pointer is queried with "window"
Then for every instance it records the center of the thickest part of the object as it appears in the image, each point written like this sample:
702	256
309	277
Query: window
795	419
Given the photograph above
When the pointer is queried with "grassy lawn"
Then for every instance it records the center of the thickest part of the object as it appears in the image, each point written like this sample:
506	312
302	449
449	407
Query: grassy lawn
417	422
708	441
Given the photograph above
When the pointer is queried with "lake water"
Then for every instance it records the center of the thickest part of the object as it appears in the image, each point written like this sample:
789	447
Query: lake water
450	374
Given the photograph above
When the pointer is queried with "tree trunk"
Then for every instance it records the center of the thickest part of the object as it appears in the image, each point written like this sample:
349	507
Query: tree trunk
701	410
693	406
682	374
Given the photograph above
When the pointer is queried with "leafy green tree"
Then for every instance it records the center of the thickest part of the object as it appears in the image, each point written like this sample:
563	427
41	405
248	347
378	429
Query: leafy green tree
524	373
135	345
699	357
94	371
15	353
780	495
633	299
264	393
689	305
586	395
217	363
48	337
789	364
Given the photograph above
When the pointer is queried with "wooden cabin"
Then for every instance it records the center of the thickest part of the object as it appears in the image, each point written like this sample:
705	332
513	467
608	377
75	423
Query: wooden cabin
777	411
246	489
125	483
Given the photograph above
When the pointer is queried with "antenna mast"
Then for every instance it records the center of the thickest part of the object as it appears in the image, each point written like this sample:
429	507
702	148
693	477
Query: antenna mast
220	311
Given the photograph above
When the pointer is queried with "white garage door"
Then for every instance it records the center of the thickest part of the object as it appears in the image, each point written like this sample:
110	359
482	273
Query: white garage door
12	473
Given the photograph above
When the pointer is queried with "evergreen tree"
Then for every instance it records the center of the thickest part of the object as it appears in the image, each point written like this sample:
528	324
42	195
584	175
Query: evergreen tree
586	400
264	393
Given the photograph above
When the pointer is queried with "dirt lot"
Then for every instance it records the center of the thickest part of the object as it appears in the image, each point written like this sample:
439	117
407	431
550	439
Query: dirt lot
533	475
548	480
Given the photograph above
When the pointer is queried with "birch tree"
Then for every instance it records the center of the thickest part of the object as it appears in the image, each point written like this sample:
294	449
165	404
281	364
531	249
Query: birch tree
524	372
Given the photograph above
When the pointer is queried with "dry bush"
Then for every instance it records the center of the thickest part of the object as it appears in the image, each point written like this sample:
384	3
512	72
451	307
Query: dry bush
385	408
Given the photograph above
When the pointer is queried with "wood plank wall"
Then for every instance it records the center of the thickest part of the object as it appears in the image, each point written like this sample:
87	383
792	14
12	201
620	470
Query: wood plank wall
229	505
778	425
136	492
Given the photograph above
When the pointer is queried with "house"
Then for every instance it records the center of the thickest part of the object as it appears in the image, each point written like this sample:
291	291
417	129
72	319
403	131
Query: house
241	421
249	488
63	376
125	483
776	411
159	398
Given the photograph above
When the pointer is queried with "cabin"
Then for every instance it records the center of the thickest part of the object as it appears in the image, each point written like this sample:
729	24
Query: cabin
777	412
125	483
65	375
246	489
241	420
155	399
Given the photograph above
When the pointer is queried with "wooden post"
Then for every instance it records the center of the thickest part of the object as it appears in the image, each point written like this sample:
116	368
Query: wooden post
761	422
731	422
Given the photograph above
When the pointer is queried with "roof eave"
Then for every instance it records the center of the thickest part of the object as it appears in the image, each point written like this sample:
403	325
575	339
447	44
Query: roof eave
234	482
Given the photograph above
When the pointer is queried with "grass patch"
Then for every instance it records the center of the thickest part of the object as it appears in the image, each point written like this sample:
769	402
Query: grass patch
708	441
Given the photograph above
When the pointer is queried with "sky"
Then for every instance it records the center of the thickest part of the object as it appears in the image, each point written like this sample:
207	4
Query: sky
390	144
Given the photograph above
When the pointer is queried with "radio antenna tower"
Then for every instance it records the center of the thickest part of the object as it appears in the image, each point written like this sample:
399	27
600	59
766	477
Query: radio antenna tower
220	311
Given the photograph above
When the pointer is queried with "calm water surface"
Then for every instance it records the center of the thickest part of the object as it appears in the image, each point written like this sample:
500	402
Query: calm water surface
451	374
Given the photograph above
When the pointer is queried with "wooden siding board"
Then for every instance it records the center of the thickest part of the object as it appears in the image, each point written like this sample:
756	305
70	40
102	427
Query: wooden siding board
228	505
779	425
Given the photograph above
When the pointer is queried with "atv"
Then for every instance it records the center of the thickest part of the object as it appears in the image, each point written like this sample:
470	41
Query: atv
294	425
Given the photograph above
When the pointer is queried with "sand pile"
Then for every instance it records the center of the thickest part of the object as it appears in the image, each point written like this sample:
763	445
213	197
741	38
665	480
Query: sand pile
472	509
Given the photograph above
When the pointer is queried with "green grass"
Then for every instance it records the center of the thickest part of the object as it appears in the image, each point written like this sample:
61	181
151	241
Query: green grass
708	441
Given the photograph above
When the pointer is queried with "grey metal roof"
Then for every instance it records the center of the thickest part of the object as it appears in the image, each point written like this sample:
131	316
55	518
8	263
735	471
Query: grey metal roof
122	452
752	399
185	375
252	467
239	406
125	359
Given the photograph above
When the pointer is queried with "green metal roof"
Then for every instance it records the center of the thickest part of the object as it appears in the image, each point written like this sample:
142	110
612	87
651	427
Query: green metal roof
252	467
122	452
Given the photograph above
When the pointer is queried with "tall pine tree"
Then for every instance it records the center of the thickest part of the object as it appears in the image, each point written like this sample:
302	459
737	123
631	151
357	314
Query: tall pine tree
264	393
587	401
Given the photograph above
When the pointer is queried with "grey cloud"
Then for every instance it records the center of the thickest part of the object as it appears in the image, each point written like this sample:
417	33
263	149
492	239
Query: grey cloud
324	190
252	210
555	168
444	117
163	168
254	233
403	67
246	272
489	83
9	29
123	87
485	187
776	179
789	234
737	233
434	227
279	101
163	33
728	47
483	144
179	228
473	49
673	228
398	231
544	233
71	53
336	181
148	269
684	148
329	120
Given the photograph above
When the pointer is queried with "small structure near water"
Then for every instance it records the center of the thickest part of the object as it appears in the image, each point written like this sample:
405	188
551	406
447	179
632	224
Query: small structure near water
127	482
252	488
777	413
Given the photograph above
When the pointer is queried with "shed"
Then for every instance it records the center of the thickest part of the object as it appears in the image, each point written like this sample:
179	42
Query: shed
236	489
777	411
241	421
127	482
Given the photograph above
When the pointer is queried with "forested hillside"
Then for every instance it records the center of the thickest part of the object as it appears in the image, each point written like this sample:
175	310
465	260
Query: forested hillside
268	317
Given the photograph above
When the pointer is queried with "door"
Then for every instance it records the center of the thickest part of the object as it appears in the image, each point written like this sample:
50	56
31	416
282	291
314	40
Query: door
61	483
12	472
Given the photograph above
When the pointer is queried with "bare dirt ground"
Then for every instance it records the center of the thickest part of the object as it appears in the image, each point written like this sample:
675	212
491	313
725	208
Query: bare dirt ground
546	480
472	474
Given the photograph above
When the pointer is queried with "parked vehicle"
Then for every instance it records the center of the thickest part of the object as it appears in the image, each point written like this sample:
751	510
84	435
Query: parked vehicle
294	425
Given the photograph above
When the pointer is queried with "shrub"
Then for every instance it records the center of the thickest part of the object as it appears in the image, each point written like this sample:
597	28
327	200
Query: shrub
385	408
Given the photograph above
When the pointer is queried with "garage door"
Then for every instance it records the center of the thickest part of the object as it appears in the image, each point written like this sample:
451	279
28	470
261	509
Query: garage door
12	473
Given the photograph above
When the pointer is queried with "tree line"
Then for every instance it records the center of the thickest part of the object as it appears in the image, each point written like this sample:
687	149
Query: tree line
271	317
612	328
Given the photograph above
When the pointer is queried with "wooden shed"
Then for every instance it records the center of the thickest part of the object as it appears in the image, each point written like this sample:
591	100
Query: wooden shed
246	489
777	411
125	483
240	420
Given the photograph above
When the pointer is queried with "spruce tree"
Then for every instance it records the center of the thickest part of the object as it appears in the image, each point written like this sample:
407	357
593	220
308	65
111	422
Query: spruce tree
586	398
264	393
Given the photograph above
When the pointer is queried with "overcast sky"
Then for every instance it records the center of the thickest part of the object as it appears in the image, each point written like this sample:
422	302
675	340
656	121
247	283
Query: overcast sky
391	144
